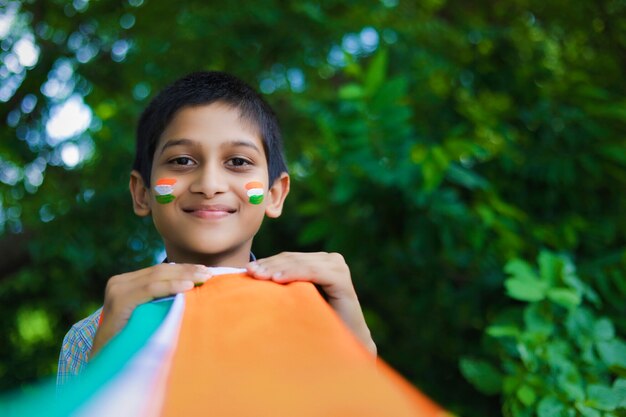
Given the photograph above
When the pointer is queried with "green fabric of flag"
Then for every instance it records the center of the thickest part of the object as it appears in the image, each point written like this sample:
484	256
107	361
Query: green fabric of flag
45	401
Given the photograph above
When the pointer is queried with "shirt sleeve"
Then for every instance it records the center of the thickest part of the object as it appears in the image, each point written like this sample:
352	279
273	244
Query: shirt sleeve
76	346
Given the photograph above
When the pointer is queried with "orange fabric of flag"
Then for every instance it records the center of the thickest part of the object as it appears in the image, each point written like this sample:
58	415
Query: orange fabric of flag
249	347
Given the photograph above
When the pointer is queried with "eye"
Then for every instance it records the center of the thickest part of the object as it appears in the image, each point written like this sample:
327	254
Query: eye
181	160
238	162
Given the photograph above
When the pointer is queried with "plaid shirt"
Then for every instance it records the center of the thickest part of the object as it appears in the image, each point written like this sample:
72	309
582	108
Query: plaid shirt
76	347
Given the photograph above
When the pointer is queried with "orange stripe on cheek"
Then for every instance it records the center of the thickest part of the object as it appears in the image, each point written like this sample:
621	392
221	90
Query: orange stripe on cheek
166	181
254	184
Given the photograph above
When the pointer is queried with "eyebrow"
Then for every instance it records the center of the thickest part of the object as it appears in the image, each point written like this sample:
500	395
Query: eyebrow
240	142
177	142
188	142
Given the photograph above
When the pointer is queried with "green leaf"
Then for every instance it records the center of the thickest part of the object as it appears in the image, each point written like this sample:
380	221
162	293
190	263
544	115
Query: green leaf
388	95
537	321
351	92
482	375
558	359
33	326
520	269
574	391
466	178
580	322
571	279
620	383
564	297
613	354
602	398
434	168
587	411
619	386
528	356
603	329
549	267
525	289
550	406
592	296
526	395
419	152
502	331
375	74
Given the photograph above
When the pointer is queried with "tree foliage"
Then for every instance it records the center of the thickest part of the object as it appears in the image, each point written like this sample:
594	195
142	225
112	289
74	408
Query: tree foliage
429	142
554	356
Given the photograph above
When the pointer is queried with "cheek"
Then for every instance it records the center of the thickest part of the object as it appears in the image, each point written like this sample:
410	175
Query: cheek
160	223
164	190
255	192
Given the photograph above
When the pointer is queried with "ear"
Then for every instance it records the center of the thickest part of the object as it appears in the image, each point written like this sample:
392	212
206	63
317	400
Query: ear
141	194
276	196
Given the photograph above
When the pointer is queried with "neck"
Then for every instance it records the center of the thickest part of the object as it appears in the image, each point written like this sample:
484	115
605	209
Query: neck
236	258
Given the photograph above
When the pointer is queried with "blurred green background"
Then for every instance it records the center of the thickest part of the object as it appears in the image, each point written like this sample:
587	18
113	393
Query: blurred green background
467	158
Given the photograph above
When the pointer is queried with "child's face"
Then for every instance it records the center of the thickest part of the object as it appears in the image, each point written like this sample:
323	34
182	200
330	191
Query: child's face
211	156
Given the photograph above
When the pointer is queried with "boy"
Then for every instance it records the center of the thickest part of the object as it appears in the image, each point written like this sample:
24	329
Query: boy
208	168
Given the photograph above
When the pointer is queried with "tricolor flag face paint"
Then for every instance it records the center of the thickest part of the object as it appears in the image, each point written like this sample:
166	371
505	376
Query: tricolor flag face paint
255	192
164	188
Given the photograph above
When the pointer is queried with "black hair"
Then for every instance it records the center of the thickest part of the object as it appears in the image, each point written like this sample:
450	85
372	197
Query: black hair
203	88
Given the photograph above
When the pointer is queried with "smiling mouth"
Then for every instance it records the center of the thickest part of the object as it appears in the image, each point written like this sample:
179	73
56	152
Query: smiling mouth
210	212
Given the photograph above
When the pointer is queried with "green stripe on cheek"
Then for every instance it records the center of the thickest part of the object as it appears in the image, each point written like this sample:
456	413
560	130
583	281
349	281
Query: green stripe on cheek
164	199
256	199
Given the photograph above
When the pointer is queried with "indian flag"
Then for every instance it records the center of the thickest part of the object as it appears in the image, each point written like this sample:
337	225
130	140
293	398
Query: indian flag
255	192
235	346
164	188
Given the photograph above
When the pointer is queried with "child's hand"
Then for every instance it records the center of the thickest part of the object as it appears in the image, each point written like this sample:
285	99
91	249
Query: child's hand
126	291
330	271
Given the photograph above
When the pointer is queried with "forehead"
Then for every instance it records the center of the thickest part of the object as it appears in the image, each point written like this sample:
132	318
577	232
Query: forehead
210	125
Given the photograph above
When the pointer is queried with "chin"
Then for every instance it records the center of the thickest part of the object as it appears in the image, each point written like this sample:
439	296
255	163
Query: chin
214	250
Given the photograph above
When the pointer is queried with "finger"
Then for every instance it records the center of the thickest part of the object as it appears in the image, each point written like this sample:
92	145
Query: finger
272	269
288	270
158	289
299	257
178	272
260	266
127	290
197	273
319	267
328	270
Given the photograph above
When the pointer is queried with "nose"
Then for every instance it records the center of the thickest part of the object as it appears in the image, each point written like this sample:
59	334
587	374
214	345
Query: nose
209	180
